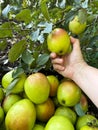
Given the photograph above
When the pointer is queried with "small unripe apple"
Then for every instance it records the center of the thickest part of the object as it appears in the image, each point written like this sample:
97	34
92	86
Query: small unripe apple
76	27
58	41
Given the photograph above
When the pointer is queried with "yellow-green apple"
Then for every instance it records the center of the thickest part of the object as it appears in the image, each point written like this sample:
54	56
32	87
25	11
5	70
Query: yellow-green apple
9	101
8	78
76	27
68	93
59	123
54	83
38	127
1	115
21	116
66	112
87	119
37	87
45	111
58	41
87	127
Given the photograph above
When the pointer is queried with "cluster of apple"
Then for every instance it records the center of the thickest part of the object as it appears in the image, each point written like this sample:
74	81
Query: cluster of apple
40	102
43	102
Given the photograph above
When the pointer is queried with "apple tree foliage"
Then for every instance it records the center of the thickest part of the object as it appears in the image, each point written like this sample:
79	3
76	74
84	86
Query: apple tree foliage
25	24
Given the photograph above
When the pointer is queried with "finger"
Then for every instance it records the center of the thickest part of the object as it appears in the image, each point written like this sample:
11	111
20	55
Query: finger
58	67
75	42
53	55
57	61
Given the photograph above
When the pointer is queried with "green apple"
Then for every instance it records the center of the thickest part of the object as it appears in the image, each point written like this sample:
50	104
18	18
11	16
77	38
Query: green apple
86	127
1	94
1	115
68	93
58	41
7	79
38	127
76	27
37	87
21	116
45	110
67	112
86	120
59	123
9	101
54	83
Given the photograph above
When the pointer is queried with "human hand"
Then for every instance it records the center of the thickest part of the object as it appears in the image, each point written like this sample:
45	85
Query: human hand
66	65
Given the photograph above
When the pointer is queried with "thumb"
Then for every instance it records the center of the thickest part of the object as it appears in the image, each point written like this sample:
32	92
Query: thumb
75	42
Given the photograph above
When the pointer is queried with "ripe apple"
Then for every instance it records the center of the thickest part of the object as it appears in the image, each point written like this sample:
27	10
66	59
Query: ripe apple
21	116
54	83
86	127
45	110
59	123
85	120
37	87
7	79
9	101
76	27
58	41
68	93
66	112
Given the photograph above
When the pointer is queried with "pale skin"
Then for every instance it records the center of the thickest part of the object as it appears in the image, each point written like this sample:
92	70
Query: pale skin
73	66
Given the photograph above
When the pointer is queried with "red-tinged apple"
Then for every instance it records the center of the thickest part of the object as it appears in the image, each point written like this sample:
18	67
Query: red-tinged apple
58	41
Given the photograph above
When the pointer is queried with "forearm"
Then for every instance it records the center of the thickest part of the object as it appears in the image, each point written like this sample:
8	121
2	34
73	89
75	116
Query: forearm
87	78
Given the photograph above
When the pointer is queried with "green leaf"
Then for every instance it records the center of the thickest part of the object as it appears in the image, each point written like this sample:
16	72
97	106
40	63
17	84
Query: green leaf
79	110
44	9
82	15
27	57
6	30
11	86
17	72
3	45
16	50
24	15
42	60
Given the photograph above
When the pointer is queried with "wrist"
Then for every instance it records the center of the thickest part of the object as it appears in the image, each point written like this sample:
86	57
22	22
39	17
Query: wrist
79	68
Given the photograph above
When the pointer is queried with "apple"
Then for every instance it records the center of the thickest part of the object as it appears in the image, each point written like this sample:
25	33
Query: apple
85	120
58	41
45	110
7	79
86	127
68	93
9	101
1	115
59	123
54	83
66	112
38	127
1	94
37	87
76	27
84	103
21	116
